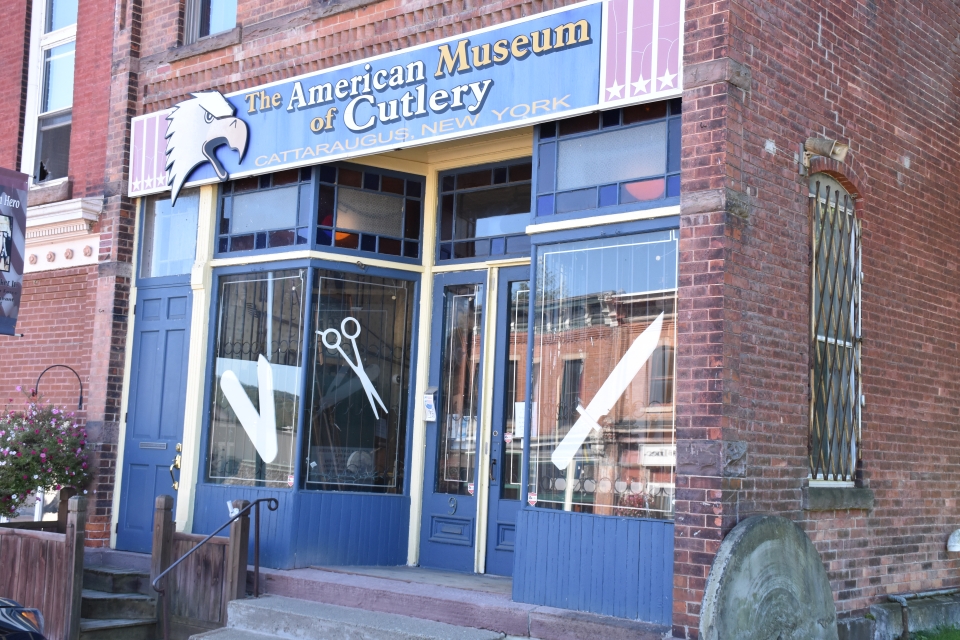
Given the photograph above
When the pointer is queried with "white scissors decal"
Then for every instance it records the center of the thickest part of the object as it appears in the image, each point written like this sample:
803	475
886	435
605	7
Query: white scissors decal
357	365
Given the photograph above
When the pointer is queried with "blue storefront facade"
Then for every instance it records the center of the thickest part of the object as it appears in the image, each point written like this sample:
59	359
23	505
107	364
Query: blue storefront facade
428	301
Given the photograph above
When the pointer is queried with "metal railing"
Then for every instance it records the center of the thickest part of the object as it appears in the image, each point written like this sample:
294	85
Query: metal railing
272	504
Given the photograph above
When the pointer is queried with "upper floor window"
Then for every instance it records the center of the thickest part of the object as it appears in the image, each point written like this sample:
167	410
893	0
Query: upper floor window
209	17
484	211
834	333
52	115
609	160
60	14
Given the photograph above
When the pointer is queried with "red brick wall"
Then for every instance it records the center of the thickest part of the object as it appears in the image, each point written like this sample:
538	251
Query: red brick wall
885	82
14	53
91	96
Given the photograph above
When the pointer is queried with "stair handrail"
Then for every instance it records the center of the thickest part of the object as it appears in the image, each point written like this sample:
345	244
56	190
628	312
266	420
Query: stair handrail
272	504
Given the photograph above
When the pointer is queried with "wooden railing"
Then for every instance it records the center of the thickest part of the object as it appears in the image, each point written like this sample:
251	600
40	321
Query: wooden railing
44	569
212	571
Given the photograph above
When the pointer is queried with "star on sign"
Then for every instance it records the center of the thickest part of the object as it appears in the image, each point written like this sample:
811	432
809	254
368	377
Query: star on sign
136	185
614	91
640	86
666	80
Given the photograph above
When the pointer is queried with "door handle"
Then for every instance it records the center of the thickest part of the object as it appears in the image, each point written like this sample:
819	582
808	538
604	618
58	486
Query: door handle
493	471
176	465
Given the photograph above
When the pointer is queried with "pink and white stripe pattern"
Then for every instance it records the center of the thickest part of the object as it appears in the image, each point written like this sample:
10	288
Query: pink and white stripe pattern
641	50
148	154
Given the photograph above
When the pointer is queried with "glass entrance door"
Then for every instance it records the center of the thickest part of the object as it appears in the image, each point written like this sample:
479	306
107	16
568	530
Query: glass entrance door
507	429
448	527
469	426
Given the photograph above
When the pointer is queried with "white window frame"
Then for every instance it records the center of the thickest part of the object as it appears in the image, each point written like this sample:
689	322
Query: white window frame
39	43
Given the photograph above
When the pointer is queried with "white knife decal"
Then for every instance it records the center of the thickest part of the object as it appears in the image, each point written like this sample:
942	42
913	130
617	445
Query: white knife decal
608	394
261	427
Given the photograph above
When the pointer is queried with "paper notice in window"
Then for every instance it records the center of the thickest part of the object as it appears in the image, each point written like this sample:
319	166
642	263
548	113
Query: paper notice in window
429	409
520	417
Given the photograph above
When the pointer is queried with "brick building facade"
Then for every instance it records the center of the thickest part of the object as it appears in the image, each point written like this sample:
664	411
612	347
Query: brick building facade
70	280
758	80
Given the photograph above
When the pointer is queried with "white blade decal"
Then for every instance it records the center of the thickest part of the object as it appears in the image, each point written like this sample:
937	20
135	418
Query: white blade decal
609	393
260	427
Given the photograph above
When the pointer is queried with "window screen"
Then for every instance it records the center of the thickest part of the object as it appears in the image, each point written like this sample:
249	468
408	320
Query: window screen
611	159
835	333
602	425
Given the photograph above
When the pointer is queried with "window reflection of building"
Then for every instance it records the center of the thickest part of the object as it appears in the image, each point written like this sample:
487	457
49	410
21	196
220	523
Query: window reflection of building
460	391
515	390
590	309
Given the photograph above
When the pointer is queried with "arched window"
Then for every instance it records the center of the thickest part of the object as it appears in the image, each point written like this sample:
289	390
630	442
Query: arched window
834	332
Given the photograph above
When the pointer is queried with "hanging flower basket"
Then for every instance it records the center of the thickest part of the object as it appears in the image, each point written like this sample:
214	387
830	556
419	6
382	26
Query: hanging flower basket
40	447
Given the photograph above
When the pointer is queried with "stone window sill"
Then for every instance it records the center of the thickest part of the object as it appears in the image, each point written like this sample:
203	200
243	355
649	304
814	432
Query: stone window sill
819	498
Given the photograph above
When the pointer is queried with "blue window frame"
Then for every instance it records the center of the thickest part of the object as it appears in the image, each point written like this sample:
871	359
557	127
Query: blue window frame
337	207
484	211
608	161
369	210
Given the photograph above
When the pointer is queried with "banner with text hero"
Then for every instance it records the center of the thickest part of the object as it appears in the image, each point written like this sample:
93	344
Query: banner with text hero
539	68
13	222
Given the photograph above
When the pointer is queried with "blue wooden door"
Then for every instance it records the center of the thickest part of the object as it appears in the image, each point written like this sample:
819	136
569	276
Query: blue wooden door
506	433
448	525
155	409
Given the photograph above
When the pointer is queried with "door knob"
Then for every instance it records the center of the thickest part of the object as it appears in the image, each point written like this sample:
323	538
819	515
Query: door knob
176	465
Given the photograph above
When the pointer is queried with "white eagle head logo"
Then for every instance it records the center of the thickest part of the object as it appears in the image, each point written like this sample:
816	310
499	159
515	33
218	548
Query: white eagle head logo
198	127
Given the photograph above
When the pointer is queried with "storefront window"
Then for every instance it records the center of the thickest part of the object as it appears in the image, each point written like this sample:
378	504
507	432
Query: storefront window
256	394
169	243
602	432
370	210
485	211
614	158
360	383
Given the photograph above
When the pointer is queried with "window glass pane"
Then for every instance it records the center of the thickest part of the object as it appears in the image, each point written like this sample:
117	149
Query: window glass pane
370	212
494	211
58	77
460	388
602	429
60	14
614	156
217	16
515	389
360	383
169	235
262	210
53	147
253	425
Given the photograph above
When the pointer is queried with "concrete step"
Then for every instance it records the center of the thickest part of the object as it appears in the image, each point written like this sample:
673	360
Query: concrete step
115	580
118	630
229	633
456	606
279	617
100	605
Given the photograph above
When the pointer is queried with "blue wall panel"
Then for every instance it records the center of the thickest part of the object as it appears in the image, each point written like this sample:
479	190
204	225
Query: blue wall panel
352	529
315	528
613	566
277	532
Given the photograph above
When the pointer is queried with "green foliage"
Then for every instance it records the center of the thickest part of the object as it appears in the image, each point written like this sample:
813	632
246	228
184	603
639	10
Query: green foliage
943	633
40	446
